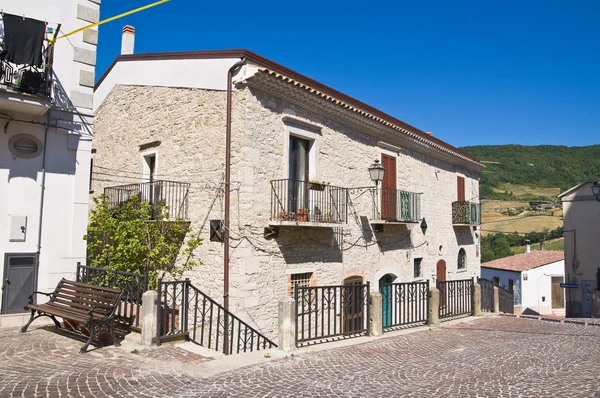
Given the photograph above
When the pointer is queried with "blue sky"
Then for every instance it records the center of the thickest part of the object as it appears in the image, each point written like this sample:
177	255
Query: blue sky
472	72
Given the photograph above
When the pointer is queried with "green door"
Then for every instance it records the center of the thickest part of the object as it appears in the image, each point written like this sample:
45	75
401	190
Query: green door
385	289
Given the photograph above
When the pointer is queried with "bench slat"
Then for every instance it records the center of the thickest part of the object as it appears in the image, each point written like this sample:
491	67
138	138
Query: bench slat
89	301
85	285
81	290
83	307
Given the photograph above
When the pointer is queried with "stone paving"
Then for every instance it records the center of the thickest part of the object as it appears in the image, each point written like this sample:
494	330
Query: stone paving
488	357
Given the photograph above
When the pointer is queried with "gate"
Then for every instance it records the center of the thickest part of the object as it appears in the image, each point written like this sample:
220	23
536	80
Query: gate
456	298
404	304
487	294
506	301
185	312
331	311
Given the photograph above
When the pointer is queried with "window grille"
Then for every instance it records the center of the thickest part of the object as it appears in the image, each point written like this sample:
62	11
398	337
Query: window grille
417	267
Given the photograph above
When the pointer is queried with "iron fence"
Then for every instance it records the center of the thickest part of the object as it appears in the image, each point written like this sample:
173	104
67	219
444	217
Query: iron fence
404	304
185	311
506	302
466	213
487	294
133	285
324	312
397	205
456	297
302	201
172	194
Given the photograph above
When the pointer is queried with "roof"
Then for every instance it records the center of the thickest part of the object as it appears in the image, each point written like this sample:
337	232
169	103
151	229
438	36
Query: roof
575	188
524	261
306	83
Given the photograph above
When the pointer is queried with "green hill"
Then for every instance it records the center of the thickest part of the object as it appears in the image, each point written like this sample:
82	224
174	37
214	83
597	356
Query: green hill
537	167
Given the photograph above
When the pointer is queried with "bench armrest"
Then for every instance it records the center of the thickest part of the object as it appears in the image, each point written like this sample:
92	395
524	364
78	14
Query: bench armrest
36	292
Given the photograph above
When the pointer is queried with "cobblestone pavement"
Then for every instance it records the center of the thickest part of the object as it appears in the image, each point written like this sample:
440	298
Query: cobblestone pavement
488	357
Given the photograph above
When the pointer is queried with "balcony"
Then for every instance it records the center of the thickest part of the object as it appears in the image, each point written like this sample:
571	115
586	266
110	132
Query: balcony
26	88
466	213
397	207
307	204
173	195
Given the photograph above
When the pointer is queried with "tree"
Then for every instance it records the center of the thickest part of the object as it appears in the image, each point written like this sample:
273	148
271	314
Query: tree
127	238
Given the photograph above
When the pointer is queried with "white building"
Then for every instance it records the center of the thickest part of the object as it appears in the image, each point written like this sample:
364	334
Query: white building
45	145
582	241
534	277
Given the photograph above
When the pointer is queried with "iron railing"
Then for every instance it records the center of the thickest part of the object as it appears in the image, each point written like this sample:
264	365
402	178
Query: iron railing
185	311
133	285
487	294
172	194
456	298
506	301
31	79
466	213
404	304
324	312
302	201
397	205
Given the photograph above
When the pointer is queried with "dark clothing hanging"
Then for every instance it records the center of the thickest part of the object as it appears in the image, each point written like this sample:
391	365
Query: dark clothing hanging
23	39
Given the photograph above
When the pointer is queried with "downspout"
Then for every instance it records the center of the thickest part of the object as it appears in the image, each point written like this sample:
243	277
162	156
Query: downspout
227	194
42	195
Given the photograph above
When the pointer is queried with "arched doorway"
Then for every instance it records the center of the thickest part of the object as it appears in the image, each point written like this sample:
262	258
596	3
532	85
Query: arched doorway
352	304
385	289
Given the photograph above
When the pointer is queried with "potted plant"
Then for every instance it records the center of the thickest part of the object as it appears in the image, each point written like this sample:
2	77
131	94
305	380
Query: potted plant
327	217
315	185
317	215
303	214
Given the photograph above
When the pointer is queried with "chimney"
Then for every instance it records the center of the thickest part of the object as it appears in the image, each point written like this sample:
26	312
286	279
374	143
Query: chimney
527	246
127	40
429	133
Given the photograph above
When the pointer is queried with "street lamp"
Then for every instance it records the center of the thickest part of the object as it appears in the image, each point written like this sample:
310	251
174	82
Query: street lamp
596	190
376	172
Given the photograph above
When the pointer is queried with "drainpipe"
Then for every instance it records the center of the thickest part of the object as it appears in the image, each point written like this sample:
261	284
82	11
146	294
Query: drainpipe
230	73
42	194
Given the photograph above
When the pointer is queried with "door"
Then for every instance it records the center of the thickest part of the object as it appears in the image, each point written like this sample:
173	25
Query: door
388	188
352	304
587	287
386	299
460	189
298	174
441	277
558	293
19	281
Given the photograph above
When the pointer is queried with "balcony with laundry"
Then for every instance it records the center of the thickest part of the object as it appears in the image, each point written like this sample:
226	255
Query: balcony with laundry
465	213
26	60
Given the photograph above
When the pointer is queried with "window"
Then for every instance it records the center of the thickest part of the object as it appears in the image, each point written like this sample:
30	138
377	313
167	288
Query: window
511	284
460	189
417	267
25	146
301	280
462	259
496	280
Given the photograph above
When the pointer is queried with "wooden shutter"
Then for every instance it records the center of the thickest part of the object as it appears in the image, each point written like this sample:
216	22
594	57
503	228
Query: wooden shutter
460	189
388	188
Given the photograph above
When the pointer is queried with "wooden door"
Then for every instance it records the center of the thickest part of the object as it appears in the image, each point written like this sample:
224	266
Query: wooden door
460	189
386	295
441	277
352	304
558	293
388	188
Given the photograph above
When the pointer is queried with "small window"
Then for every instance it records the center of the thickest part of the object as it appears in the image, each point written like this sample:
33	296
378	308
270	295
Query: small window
462	259
25	146
496	280
417	267
511	284
299	280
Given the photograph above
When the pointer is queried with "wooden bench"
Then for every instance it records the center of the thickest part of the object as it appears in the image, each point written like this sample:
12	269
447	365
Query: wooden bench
92	306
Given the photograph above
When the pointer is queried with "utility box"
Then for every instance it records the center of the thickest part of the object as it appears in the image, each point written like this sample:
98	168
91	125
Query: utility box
18	228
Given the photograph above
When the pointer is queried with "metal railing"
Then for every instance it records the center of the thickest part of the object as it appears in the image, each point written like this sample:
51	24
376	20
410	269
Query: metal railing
506	301
134	286
31	79
466	213
302	201
487	294
397	205
324	312
185	311
172	194
404	304
456	297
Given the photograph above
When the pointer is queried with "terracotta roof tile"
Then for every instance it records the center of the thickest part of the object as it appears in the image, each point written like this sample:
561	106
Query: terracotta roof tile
525	261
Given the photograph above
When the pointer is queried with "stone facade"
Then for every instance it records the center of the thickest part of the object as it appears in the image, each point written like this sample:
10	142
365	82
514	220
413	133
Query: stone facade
190	125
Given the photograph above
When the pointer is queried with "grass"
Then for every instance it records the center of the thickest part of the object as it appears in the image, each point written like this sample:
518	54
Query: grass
525	224
556	244
519	190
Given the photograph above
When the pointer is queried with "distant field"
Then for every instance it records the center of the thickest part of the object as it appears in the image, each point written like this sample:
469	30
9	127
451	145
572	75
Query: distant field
525	224
556	244
519	190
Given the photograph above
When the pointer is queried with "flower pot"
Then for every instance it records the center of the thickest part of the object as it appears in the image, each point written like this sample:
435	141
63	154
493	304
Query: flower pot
303	217
313	186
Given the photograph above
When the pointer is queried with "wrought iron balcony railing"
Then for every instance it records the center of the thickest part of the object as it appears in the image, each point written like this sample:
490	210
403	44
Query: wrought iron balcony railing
398	206
172	194
31	79
466	213
302	201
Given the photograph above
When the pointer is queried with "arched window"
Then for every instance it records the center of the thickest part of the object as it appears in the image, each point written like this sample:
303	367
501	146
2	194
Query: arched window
462	259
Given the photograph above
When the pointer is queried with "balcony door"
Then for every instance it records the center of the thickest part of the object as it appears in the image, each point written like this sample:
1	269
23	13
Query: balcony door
388	188
460	189
298	173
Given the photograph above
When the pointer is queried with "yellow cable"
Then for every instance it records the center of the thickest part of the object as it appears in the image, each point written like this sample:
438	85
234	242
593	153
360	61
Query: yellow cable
110	19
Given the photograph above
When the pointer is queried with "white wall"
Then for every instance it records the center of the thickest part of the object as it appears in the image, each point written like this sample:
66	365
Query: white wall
504	276
66	127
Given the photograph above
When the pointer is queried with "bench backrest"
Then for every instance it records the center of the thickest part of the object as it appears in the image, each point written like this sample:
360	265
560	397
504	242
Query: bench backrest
84	297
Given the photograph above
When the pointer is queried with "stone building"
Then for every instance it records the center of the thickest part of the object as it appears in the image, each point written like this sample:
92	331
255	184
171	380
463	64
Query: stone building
303	207
46	93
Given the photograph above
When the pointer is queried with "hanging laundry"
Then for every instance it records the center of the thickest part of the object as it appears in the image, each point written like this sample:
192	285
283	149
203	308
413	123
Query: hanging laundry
23	39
